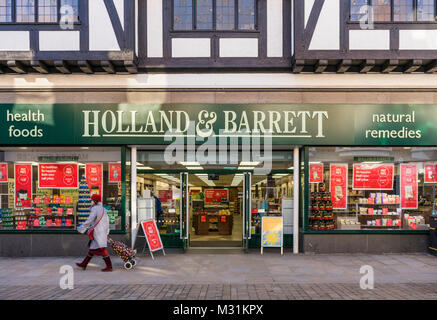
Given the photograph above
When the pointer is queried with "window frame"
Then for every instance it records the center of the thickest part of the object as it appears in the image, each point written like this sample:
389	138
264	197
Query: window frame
36	21
214	19
392	21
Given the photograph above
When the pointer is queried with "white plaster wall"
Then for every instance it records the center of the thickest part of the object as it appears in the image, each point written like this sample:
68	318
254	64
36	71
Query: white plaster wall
191	48
369	39
274	28
238	47
154	29
102	35
59	40
418	39
327	33
14	41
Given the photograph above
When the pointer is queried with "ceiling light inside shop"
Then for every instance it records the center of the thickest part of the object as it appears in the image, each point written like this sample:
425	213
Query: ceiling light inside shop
249	163
144	168
291	168
246	168
195	168
193	163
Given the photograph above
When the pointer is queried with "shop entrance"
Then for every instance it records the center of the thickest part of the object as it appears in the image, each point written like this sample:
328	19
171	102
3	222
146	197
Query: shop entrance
216	209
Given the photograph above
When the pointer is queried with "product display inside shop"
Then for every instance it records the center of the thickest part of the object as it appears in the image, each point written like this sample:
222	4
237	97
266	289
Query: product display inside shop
365	188
51	188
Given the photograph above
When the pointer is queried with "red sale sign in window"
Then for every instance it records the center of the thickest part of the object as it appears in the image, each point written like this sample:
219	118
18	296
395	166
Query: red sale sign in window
216	195
23	185
152	235
373	176
58	176
430	173
114	172
94	178
3	172
316	172
409	187
338	185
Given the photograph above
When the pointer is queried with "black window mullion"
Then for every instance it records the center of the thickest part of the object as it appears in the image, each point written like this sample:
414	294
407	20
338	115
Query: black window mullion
58	3
194	17
14	11
214	15
36	20
236	13
392	11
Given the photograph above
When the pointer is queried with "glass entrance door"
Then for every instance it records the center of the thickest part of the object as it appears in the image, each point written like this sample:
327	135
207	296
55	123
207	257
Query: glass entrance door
247	210
185	210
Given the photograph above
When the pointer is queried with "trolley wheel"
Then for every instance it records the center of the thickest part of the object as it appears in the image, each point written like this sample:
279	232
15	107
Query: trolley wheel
128	265
133	262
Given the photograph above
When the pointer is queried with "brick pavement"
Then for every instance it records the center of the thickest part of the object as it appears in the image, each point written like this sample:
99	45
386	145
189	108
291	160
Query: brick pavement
225	277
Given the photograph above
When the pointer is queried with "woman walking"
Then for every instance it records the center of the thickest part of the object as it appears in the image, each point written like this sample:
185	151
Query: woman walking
98	221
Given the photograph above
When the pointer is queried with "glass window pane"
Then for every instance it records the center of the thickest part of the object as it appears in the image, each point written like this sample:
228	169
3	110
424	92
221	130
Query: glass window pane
25	10
225	15
204	14
183	15
425	10
403	10
358	9
53	205
5	10
47	11
70	7
381	10
360	188
246	14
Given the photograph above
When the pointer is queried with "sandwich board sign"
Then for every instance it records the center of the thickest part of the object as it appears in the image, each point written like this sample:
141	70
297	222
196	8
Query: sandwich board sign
272	233
152	236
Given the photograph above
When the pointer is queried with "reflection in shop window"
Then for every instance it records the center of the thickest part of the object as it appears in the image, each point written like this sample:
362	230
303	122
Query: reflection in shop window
371	188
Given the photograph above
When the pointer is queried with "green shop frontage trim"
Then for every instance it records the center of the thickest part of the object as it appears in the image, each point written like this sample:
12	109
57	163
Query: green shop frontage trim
365	169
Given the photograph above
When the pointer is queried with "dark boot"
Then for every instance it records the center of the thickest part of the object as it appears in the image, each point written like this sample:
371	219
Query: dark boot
85	261
108	264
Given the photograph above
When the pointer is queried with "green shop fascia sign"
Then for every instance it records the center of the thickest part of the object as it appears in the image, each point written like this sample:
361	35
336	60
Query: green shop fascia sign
284	124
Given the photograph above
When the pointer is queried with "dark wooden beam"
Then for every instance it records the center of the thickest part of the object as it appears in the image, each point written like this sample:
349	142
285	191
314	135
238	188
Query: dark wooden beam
431	67
389	66
62	66
16	66
367	65
321	66
344	66
39	66
107	66
130	66
85	66
412	66
298	66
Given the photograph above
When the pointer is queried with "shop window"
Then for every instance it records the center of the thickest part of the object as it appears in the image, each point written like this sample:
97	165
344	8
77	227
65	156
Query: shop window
189	15
50	188
363	188
393	10
41	11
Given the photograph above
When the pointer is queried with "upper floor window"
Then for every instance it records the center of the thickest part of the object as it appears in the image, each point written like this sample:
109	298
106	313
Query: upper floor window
41	11
214	15
393	10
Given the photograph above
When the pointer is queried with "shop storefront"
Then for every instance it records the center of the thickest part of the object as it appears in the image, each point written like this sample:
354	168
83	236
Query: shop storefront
345	178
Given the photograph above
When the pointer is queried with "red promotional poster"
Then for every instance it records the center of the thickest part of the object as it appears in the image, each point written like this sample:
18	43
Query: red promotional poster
338	185
114	172
216	195
373	176
409	186
23	185
94	178
165	195
59	176
3	172
152	235
430	173
316	172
